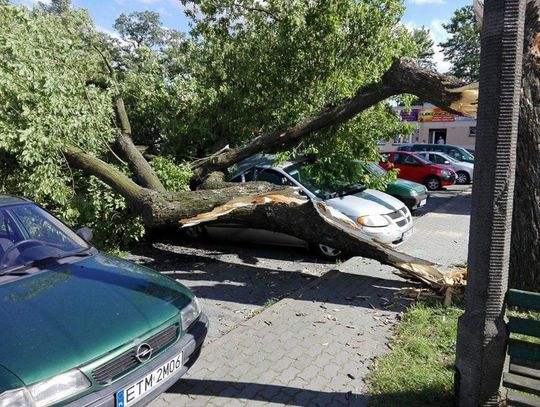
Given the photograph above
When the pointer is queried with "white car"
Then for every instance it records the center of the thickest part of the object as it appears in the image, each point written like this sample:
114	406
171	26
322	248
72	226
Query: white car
381	216
464	170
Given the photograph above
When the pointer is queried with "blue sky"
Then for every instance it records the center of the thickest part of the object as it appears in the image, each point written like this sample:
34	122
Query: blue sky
428	13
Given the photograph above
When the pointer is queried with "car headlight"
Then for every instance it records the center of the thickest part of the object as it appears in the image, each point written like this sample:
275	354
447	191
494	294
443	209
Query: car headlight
445	173
16	398
373	221
414	193
46	392
190	313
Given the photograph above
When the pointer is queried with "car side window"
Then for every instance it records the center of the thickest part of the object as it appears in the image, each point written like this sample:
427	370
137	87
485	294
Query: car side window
454	152
404	159
37	227
436	158
7	229
273	177
245	176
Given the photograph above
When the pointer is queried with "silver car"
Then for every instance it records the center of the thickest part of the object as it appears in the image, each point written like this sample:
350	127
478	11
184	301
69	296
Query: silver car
464	170
381	216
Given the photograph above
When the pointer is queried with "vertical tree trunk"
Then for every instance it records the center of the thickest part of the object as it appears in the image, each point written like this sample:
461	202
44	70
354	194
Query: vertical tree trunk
525	251
482	332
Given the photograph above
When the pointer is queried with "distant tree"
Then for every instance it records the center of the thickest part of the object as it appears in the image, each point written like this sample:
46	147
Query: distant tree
56	6
140	28
424	43
462	49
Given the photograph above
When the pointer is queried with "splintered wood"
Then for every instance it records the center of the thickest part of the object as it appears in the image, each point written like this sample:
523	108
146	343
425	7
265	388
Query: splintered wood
420	270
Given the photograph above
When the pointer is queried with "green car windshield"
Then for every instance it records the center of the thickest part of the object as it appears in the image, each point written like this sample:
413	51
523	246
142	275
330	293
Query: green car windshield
325	185
29	234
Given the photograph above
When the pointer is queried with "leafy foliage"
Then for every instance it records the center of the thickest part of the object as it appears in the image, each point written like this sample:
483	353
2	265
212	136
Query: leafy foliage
46	103
462	49
424	43
246	68
174	177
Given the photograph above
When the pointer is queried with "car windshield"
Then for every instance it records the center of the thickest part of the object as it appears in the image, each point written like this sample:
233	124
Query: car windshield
326	185
375	169
29	234
466	154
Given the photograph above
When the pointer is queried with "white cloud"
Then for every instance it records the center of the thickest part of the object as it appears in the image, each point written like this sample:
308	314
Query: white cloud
422	2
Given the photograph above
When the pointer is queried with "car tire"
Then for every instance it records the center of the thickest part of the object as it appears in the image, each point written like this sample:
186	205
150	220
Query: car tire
433	183
327	251
463	178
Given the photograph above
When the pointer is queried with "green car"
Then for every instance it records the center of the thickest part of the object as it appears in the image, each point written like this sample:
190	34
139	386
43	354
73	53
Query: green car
412	194
83	328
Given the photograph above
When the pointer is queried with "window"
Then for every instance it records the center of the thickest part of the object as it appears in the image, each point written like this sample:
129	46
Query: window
273	177
472	131
404	159
455	153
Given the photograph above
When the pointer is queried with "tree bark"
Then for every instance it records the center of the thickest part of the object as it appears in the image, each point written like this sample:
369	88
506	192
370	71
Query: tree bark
255	204
144	173
404	76
525	250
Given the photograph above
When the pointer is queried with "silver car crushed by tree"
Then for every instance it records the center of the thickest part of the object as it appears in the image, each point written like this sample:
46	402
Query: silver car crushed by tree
380	216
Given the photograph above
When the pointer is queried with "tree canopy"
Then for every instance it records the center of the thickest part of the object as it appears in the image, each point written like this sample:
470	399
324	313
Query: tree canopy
462	48
244	69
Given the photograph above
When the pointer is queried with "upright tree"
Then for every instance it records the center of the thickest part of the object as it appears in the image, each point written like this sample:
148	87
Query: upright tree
424	44
462	49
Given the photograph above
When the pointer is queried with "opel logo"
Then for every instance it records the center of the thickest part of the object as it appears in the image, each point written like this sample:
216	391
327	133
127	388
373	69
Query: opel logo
144	352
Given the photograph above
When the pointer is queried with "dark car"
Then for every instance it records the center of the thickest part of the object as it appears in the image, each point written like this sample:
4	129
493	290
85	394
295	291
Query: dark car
417	169
83	328
457	152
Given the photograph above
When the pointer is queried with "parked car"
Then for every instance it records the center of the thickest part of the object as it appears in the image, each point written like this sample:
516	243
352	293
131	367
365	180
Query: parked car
417	169
381	216
412	194
457	152
84	328
464	170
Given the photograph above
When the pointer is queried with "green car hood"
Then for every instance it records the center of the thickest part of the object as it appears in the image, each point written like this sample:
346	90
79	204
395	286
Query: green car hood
72	313
403	187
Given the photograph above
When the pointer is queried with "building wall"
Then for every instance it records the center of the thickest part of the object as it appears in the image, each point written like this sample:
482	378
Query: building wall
459	131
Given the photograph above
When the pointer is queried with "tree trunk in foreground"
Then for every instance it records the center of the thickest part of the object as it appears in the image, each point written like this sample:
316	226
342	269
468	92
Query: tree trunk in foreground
482	331
525	251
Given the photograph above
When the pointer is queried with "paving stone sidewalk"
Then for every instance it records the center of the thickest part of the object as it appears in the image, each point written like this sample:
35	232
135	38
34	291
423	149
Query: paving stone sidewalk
311	349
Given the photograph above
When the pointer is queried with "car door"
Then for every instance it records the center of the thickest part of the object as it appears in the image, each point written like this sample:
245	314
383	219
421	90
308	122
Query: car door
409	167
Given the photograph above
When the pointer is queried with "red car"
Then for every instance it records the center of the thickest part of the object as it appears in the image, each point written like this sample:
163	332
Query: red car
418	169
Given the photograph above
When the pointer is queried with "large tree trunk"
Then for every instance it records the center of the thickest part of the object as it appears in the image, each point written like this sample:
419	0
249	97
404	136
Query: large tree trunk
525	250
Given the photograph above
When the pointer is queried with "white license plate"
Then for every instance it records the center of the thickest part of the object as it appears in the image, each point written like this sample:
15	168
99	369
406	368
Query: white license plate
422	202
129	395
407	234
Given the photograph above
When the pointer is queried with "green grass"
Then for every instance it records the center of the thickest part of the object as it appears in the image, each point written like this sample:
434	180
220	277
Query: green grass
419	369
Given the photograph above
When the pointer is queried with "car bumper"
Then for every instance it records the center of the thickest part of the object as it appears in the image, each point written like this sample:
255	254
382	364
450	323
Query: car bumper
448	181
391	235
190	345
414	202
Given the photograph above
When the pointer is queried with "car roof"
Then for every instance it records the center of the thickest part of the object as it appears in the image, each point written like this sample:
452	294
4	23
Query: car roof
10	199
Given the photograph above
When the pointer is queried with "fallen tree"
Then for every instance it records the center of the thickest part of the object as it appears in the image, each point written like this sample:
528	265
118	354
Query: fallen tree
266	206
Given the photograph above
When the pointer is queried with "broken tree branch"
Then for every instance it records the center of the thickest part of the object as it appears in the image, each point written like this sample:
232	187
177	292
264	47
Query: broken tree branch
404	76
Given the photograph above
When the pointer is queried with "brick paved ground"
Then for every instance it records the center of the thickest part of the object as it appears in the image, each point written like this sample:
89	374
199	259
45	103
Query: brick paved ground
314	348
